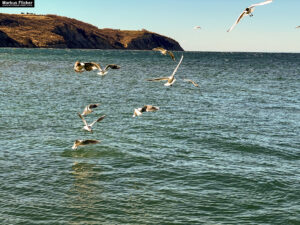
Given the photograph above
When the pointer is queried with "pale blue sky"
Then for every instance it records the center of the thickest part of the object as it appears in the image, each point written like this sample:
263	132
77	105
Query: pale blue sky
271	29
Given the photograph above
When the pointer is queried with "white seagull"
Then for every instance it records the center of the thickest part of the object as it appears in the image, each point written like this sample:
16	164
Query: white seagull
248	11
88	127
197	27
103	72
84	142
164	52
297	26
171	79
89	66
89	109
145	108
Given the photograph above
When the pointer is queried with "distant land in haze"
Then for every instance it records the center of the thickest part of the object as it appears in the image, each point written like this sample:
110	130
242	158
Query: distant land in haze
52	31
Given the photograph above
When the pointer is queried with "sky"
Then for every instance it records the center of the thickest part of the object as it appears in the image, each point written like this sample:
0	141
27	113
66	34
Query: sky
271	29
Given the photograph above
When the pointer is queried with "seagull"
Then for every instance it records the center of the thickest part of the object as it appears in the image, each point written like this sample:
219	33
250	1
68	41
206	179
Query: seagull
145	108
197	27
191	81
81	67
104	72
88	109
164	52
89	66
297	26
84	142
248	11
88	127
171	78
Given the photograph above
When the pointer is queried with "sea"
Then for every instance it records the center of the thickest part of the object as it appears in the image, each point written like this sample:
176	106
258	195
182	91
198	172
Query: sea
226	152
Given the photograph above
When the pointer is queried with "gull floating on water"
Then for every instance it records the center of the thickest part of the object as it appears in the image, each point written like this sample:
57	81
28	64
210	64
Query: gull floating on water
78	143
164	52
88	127
248	11
191	81
88	109
145	108
89	66
171	79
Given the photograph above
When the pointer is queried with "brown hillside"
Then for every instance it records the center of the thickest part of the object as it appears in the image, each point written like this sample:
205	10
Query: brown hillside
51	31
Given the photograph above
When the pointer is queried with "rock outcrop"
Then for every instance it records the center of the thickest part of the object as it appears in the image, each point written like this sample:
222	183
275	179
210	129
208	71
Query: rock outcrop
52	31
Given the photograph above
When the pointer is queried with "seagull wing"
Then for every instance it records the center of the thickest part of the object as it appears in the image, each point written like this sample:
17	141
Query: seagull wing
96	66
88	142
92	106
85	111
84	121
237	21
177	66
97	120
158	79
191	81
112	66
261	3
159	49
151	108
171	54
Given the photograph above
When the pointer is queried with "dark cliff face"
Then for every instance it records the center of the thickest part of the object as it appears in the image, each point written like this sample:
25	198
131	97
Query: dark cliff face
74	37
151	40
51	31
6	41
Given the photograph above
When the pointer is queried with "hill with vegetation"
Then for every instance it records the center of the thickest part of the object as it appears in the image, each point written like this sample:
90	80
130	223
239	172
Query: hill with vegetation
52	31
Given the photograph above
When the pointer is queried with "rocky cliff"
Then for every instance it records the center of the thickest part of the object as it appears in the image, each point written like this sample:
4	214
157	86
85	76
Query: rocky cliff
51	31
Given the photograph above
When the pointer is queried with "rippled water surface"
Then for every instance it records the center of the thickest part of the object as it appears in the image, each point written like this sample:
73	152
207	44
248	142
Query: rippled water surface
225	153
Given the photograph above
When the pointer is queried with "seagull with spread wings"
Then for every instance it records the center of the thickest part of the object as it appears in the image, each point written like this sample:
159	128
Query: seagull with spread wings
164	52
78	143
88	127
145	108
89	66
171	79
103	72
89	109
248	11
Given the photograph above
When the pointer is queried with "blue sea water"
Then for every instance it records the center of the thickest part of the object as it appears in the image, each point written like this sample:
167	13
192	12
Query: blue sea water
227	152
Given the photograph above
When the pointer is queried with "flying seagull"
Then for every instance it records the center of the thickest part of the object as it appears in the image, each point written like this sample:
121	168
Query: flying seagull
171	78
89	109
89	66
107	67
191	81
81	67
248	11
145	108
197	27
78	143
164	52
88	127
